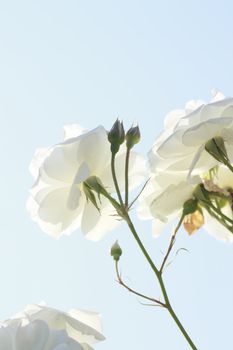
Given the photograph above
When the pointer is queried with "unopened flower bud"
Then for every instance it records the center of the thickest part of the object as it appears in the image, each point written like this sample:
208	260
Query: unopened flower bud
190	206
116	136
216	148
132	136
116	251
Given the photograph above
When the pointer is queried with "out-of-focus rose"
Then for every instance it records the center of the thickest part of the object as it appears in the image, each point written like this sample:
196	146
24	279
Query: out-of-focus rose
58	201
181	147
42	328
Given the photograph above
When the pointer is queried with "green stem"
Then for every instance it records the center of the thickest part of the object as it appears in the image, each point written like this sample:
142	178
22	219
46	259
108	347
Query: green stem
157	273
172	241
127	177
134	291
219	219
115	179
217	214
230	167
220	213
160	280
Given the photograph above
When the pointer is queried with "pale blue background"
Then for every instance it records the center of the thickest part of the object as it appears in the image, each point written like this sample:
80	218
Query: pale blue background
89	62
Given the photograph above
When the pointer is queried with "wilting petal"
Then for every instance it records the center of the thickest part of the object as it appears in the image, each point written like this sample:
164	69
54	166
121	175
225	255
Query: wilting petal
193	222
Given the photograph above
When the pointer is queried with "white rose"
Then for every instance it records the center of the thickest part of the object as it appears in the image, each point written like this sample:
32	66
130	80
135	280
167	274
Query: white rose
181	147
166	193
163	198
42	328
58	202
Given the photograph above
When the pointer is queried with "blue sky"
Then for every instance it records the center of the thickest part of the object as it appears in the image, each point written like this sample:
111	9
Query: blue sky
89	62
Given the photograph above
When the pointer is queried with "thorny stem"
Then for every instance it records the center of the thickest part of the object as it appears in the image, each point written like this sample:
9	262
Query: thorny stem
120	281
171	244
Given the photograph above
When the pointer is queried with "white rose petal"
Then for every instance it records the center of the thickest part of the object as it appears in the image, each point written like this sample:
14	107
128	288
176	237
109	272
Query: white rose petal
180	144
58	202
42	328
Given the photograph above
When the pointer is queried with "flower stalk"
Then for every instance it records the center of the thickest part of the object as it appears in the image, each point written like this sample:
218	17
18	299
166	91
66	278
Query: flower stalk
127	178
161	283
156	271
122	283
171	244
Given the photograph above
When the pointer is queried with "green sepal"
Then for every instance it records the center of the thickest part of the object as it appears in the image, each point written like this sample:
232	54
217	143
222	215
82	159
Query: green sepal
216	148
90	195
190	206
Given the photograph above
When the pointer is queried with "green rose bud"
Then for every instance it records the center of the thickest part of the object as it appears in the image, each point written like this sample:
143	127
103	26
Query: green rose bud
200	193
116	136
132	136
116	251
190	206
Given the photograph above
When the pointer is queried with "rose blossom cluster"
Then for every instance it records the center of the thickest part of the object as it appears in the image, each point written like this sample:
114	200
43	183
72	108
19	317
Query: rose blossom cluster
42	328
190	160
84	182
